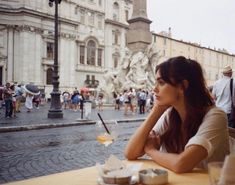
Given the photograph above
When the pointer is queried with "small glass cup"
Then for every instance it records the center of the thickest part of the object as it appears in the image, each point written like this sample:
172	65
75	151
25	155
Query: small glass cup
214	169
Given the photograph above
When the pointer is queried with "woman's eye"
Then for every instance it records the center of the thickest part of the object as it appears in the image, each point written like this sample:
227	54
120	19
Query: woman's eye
161	82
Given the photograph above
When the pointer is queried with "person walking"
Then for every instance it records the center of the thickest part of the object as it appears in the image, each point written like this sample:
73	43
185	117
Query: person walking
29	102
222	94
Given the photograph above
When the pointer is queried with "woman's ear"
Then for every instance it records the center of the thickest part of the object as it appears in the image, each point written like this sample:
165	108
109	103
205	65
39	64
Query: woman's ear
185	84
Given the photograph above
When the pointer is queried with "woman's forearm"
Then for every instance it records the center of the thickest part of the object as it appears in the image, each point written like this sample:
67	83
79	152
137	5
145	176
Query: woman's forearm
179	163
135	146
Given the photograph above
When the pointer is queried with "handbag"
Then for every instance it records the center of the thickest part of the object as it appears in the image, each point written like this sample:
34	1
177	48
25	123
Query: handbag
231	120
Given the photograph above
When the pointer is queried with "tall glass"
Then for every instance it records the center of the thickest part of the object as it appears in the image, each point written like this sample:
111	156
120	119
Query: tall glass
104	138
214	169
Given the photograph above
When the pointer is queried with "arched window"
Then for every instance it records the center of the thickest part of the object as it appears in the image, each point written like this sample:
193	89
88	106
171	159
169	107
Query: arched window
115	11
91	49
49	76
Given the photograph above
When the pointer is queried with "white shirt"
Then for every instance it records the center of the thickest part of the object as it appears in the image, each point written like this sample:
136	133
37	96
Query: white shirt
222	94
211	135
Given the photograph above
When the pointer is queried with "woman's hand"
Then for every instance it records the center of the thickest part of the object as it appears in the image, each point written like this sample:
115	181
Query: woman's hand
153	142
159	107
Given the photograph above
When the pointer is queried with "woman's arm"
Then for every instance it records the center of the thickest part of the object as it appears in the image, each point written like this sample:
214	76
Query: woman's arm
136	144
179	163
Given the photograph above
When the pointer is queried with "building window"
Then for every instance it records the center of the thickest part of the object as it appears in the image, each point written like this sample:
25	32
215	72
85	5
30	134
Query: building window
164	41
82	54
88	77
76	10
91	48
115	11
100	22
100	2
91	18
50	50
82	16
100	57
93	78
115	37
127	15
49	76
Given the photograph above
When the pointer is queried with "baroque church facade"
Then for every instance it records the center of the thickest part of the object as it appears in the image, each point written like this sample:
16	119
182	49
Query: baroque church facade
92	41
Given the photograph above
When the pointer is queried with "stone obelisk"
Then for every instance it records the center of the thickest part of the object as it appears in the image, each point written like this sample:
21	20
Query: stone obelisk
139	35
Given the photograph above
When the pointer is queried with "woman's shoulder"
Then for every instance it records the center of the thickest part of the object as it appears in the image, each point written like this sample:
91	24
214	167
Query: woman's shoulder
215	116
213	110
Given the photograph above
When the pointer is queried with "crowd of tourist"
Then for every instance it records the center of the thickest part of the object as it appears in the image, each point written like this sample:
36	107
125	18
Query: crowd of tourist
13	95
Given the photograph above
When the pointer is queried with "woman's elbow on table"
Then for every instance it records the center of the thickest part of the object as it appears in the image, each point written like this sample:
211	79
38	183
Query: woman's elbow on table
132	155
181	168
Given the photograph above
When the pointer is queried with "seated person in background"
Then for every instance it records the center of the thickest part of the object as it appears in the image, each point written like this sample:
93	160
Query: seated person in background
184	129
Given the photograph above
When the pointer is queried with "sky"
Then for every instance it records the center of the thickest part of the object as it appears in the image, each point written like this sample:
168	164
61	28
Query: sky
210	23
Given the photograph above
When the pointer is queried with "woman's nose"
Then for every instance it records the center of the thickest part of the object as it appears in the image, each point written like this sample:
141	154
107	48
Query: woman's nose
155	89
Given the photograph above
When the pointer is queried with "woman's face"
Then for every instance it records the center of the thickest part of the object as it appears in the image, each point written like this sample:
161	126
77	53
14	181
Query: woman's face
166	94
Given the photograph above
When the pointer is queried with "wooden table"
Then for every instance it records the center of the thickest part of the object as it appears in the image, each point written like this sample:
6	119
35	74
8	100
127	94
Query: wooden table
89	176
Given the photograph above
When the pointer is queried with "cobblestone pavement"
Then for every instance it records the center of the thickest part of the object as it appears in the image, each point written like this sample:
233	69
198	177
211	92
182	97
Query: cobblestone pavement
39	116
28	154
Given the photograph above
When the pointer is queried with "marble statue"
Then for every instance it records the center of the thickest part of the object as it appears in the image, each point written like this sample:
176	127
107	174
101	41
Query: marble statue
137	70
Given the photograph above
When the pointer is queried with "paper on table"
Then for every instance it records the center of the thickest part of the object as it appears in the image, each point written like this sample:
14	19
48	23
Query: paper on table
227	173
115	167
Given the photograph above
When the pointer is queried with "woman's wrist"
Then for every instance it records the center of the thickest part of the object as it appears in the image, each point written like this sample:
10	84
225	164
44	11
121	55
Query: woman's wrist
151	151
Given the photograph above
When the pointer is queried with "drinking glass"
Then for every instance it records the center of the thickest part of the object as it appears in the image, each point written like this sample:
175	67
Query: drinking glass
214	169
105	138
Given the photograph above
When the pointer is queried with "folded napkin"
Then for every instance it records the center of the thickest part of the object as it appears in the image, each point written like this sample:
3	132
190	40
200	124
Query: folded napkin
227	173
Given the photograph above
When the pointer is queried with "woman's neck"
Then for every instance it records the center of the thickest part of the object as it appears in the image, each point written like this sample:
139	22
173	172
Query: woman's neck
181	109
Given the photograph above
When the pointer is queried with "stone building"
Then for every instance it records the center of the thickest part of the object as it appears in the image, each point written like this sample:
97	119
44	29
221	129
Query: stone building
211	60
92	40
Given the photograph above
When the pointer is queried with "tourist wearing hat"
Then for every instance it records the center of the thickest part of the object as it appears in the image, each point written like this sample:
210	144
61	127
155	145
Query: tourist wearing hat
222	94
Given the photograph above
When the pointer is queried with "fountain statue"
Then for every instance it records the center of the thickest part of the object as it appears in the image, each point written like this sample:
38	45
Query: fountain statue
137	70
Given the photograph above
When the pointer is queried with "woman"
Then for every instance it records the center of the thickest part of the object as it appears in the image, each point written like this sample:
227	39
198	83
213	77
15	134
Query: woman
29	102
184	129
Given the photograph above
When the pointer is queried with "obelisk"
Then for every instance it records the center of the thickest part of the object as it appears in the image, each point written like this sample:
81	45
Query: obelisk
139	35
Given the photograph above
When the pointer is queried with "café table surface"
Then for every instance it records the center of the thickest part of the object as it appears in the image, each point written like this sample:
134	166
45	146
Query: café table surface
89	176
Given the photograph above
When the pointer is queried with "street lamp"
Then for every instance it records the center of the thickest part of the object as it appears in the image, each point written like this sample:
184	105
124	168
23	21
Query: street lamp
55	109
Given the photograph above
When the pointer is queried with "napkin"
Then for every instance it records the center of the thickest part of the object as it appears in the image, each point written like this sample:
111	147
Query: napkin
114	167
227	173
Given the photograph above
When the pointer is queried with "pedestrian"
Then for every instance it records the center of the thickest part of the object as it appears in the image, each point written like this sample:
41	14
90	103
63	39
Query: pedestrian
18	94
66	99
1	96
184	129
37	100
221	93
29	102
142	101
7	97
100	102
12	87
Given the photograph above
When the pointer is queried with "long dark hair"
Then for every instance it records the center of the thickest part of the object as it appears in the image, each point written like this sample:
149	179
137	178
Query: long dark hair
197	98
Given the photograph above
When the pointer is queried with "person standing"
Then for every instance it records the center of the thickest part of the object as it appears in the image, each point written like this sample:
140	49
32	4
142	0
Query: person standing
7	96
222	94
100	103
18	93
29	102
